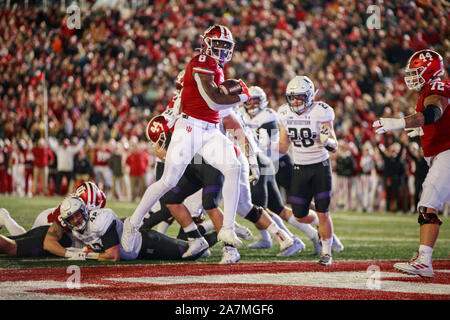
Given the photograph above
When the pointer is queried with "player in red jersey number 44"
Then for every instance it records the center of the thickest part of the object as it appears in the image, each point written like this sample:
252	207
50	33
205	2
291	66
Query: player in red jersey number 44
197	132
432	122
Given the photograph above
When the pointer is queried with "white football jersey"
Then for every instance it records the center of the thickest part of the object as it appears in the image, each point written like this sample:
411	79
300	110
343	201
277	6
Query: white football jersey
264	138
98	224
248	131
304	131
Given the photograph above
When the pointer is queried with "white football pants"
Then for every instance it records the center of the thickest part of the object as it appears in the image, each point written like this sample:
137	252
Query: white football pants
193	136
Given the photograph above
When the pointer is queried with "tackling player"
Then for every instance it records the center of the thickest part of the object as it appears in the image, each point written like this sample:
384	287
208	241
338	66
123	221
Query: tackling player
30	244
264	122
91	194
100	231
432	122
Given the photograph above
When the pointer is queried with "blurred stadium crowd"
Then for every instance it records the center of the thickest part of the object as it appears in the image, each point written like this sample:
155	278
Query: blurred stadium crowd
108	78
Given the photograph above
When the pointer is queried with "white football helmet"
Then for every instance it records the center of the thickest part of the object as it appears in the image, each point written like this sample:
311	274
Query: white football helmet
256	93
69	207
303	88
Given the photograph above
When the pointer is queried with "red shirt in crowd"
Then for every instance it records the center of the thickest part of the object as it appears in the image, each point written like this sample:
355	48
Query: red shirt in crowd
138	162
42	156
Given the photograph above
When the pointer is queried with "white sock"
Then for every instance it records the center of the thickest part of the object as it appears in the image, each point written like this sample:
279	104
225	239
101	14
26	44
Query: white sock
326	246
310	232
190	227
230	193
278	233
426	253
280	224
208	225
162	227
13	227
265	235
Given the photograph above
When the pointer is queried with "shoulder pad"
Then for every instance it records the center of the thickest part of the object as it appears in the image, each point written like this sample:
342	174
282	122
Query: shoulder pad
283	110
324	111
267	115
204	63
322	104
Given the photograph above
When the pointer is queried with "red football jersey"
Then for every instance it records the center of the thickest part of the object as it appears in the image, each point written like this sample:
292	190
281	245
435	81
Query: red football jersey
436	136
55	217
101	157
192	102
172	101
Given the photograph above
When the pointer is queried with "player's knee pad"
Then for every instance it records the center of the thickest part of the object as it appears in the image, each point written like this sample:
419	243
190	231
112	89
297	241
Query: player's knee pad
427	217
255	214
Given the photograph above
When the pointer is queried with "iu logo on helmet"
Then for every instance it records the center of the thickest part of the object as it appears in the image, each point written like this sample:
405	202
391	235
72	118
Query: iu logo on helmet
188	128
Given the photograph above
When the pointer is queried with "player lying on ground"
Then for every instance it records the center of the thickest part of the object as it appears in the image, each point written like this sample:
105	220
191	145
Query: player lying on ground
92	195
91	234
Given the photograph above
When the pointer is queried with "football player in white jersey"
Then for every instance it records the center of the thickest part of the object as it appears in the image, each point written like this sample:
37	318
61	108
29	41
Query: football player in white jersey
100	231
88	191
264	122
307	126
232	124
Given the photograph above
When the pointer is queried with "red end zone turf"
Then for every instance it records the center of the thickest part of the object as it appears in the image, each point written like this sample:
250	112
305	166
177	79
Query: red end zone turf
356	280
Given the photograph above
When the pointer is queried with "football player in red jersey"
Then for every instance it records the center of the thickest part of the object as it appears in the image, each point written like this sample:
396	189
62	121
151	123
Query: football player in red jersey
432	122
197	131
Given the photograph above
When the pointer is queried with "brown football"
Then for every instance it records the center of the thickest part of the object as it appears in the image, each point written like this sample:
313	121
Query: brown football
231	86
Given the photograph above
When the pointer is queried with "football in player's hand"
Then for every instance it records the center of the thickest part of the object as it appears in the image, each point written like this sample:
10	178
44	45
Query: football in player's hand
231	86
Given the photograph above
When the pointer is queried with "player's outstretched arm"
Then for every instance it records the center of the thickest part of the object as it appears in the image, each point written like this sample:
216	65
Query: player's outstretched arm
111	254
435	107
215	99
51	241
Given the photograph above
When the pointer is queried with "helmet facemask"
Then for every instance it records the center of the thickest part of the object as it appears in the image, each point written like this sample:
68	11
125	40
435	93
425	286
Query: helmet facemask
219	49
160	144
250	106
413	78
75	214
297	108
301	88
